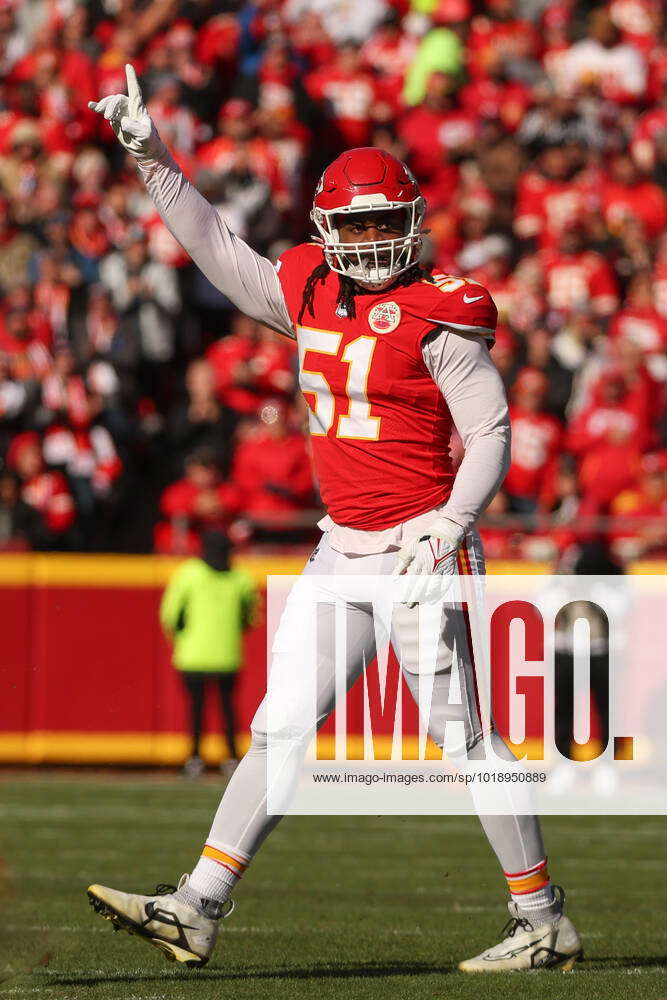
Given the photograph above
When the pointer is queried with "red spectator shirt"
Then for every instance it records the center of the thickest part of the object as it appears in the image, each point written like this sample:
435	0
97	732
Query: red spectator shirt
605	471
599	424
545	207
644	201
580	279
488	39
428	137
351	99
221	154
507	102
88	454
645	327
632	507
271	372
380	428
47	493
179	500
637	21
536	444
389	57
273	475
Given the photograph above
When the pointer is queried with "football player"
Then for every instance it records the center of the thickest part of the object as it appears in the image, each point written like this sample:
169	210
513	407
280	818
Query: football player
392	357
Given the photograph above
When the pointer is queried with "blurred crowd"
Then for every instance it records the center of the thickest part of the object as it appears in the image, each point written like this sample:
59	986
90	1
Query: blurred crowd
136	408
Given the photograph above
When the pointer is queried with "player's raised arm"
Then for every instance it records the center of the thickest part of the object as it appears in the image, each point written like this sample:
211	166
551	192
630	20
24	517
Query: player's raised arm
245	277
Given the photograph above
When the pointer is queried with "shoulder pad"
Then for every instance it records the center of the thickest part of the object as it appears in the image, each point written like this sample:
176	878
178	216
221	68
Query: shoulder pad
461	304
304	255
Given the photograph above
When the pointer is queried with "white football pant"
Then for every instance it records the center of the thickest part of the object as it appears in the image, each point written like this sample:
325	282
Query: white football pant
241	823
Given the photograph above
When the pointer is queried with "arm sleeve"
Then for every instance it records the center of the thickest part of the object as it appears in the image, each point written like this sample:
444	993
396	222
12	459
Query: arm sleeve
246	278
461	367
172	604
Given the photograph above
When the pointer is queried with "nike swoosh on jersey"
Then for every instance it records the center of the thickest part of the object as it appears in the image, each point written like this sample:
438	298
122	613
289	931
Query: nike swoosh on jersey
474	298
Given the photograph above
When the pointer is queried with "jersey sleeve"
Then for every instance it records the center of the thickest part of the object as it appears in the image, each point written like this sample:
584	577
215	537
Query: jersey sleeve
463	306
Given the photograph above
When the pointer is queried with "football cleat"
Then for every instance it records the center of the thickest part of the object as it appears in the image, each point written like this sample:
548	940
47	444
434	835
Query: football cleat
180	932
555	945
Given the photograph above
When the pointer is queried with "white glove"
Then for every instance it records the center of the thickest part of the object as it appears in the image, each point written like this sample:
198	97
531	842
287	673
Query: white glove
431	554
129	119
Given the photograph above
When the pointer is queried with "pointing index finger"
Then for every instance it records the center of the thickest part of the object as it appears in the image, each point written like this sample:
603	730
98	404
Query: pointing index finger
133	92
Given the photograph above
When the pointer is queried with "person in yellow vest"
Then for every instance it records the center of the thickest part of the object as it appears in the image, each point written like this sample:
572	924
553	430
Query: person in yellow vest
204	611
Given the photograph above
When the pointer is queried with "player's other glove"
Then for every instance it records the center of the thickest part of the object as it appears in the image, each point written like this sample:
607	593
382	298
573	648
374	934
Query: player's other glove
431	554
129	119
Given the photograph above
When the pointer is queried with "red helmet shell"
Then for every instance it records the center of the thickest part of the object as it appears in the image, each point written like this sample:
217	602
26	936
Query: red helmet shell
362	172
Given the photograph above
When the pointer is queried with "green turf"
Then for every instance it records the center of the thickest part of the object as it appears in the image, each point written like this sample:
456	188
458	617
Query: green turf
333	907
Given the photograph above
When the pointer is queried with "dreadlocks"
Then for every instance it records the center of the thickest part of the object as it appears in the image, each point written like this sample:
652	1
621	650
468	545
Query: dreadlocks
319	274
348	288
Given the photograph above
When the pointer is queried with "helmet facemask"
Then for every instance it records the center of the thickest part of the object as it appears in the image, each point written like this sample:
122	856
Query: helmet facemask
373	262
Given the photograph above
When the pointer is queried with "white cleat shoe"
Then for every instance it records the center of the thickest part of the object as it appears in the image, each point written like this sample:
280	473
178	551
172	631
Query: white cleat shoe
549	946
178	930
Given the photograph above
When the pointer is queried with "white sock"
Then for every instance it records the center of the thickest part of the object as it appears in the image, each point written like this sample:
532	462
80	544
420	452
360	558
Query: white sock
539	907
533	894
217	872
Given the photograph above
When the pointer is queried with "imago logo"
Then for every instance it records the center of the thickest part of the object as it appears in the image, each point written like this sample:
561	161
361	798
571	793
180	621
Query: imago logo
530	691
552	683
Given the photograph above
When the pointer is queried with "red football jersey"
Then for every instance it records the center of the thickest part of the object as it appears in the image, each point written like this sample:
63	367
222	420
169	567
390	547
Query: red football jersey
380	427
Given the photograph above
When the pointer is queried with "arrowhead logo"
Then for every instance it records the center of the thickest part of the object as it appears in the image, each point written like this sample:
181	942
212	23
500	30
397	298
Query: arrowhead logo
384	317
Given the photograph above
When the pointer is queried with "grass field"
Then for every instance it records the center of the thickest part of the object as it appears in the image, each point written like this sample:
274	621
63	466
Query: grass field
340	907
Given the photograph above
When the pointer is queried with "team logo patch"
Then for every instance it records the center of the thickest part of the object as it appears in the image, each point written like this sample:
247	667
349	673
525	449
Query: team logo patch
384	317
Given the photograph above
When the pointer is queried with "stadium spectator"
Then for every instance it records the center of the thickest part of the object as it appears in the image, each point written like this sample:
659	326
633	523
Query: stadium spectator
540	357
197	502
576	277
536	444
440	51
602	64
46	514
146	297
251	365
201	421
639	513
639	320
607	438
272	472
436	134
629	195
346	93
341	20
